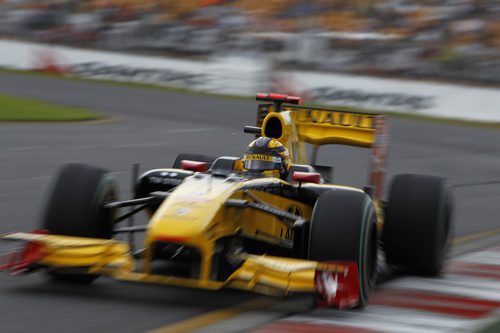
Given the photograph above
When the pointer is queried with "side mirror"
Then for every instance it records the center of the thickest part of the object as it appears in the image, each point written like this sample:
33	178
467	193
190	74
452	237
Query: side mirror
306	177
194	166
326	172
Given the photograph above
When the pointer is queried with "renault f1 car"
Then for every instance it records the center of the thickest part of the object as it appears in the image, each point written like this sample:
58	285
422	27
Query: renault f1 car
212	225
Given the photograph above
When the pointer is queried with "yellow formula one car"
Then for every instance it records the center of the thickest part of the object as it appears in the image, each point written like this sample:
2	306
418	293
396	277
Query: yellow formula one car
268	222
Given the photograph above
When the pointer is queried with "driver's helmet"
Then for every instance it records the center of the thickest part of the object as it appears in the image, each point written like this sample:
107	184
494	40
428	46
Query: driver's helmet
267	156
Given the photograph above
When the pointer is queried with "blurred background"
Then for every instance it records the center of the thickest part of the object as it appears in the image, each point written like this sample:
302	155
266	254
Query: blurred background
420	59
456	40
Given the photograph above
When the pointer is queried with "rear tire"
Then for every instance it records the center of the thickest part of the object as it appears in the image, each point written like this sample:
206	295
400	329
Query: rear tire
417	225
193	157
74	208
343	227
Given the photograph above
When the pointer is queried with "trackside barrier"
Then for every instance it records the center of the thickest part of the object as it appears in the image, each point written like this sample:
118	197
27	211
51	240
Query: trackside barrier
244	77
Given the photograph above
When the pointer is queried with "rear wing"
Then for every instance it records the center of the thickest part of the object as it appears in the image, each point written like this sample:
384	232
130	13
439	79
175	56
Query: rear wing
329	126
295	125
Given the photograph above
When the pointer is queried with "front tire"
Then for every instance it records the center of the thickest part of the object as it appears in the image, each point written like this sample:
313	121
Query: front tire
343	227
74	208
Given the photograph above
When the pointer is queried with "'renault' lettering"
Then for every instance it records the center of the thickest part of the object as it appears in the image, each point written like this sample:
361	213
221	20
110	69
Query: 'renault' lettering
336	118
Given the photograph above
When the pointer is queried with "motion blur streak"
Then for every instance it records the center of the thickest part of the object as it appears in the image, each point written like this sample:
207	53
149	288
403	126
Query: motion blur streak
454	40
465	155
204	320
350	53
475	236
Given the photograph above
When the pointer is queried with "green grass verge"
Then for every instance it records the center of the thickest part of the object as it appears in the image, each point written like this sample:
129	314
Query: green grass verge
23	109
413	117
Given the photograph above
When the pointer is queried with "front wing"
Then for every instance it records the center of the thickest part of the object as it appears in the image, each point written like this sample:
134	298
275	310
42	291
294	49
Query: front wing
335	283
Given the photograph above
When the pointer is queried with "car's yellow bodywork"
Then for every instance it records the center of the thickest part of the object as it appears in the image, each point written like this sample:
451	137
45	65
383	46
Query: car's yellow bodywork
195	215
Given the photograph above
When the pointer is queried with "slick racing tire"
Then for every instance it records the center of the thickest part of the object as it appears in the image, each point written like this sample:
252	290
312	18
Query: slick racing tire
74	208
193	157
417	224
343	227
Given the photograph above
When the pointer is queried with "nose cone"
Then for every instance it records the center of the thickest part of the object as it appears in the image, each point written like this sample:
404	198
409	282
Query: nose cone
179	222
187	213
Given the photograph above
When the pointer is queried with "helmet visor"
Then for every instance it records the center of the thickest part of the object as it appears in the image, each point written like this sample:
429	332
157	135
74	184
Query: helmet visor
261	165
260	162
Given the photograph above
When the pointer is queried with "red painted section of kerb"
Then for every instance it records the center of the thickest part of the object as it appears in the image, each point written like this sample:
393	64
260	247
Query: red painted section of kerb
452	305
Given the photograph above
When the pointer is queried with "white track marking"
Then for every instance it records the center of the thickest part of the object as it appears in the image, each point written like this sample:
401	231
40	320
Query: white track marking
388	319
452	285
26	148
486	257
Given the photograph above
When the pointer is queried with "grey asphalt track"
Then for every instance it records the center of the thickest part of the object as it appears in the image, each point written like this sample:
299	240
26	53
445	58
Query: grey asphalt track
156	125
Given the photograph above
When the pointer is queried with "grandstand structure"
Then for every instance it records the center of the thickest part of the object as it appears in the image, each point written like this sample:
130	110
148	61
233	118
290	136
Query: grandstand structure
444	39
